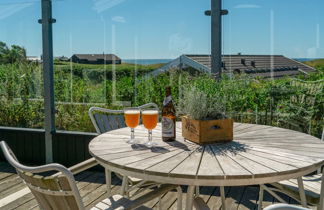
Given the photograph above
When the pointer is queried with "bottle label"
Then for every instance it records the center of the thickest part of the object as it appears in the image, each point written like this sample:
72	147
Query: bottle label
167	100
167	127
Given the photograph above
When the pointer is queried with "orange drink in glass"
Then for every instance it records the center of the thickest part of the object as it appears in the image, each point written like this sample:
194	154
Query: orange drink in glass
150	120
132	118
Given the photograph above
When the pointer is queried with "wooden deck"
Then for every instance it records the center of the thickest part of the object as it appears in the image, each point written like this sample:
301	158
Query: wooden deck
92	188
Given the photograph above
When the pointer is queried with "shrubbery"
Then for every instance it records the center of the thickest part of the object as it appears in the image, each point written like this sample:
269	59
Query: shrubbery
247	100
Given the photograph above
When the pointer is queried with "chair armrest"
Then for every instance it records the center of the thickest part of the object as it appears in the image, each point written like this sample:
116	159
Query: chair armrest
81	166
85	165
151	195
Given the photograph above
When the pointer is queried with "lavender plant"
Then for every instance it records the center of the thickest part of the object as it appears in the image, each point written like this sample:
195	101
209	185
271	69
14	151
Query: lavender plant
196	104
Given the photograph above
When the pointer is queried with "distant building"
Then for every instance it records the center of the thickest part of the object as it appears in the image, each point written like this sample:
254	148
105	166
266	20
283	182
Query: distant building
265	66
62	58
36	59
96	59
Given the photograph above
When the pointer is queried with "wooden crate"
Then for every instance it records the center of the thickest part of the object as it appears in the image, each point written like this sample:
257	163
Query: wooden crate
207	131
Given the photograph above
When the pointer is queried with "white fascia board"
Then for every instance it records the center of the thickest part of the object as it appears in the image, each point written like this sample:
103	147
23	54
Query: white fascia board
194	64
171	65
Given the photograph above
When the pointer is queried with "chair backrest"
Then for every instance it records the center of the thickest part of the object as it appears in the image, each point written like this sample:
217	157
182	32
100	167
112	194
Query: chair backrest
105	120
51	192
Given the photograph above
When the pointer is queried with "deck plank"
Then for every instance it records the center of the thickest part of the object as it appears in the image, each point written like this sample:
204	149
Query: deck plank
15	188
8	182
234	197
6	171
249	198
168	200
99	193
29	203
93	189
215	201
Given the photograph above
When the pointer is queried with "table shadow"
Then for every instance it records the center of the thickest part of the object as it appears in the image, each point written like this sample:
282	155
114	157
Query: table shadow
233	148
178	145
155	149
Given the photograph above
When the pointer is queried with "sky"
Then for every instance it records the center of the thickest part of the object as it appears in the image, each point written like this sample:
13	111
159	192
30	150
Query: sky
157	29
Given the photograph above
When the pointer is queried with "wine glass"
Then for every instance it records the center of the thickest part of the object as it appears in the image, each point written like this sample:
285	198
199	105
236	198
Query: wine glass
150	120
132	118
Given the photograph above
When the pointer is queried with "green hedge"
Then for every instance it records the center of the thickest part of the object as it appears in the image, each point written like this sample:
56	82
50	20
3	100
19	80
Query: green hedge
21	95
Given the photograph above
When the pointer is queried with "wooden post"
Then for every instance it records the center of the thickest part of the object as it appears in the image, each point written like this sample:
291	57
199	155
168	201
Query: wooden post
48	68
260	197
321	203
302	192
223	197
108	181
190	197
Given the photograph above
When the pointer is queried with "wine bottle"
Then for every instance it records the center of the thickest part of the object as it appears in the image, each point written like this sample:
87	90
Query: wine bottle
168	117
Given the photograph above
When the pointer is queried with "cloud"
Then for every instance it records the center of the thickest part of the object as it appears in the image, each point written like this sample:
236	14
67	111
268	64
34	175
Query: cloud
10	9
102	5
314	52
179	43
247	6
119	19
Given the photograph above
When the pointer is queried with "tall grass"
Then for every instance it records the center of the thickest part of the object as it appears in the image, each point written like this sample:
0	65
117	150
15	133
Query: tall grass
77	89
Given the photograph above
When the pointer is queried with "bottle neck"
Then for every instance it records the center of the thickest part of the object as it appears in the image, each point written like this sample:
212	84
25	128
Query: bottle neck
168	92
167	100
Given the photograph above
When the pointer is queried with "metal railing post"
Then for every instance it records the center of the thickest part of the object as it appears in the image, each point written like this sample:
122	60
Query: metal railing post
216	38
48	69
216	13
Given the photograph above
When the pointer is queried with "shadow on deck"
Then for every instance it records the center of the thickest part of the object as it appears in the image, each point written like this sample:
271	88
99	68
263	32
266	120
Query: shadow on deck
15	195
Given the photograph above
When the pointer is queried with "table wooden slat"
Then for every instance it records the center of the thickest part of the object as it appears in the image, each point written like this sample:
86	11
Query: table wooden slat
258	154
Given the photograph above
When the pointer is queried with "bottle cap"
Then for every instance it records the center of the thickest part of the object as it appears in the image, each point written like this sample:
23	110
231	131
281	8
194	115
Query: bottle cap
168	90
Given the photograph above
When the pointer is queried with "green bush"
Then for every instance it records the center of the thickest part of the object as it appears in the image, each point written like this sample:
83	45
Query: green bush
246	99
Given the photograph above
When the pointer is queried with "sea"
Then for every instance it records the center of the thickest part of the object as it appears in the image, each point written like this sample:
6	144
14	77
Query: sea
304	59
146	61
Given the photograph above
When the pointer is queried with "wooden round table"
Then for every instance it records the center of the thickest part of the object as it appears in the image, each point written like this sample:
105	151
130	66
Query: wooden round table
258	154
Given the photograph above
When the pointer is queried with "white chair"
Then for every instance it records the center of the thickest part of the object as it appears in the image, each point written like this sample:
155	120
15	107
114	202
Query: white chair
284	207
306	189
60	191
322	139
105	120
